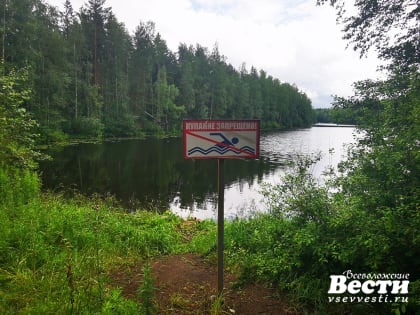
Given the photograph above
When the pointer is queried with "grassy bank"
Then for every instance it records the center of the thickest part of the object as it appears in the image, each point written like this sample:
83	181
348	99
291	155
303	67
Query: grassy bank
56	254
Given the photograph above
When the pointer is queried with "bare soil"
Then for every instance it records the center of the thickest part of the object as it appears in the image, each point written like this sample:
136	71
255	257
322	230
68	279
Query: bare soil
186	284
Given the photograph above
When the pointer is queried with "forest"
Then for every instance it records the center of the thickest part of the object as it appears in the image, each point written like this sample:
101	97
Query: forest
58	254
90	78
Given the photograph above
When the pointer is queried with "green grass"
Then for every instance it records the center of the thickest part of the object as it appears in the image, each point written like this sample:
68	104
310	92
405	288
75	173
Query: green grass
55	253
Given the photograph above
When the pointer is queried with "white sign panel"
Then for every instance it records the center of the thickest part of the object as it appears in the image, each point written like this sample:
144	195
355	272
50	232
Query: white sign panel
221	139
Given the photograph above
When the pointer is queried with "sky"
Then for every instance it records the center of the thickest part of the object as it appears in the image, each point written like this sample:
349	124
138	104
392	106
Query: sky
294	41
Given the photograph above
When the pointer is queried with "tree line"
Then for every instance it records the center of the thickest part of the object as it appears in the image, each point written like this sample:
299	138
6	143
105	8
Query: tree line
365	218
90	77
335	115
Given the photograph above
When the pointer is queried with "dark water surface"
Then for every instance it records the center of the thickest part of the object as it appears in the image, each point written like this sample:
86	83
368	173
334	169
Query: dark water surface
153	174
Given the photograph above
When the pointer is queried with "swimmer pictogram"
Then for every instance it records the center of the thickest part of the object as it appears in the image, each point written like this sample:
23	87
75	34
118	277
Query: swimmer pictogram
224	147
240	140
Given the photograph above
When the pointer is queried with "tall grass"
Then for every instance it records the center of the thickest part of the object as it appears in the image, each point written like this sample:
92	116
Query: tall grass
17	187
55	254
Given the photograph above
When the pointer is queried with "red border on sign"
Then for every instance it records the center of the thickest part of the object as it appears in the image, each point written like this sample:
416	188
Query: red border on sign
222	125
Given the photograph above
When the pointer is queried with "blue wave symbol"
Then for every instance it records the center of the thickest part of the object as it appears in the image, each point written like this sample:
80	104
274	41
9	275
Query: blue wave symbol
221	150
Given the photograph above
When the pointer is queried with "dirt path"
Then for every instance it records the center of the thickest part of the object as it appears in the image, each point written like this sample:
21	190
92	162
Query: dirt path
186	284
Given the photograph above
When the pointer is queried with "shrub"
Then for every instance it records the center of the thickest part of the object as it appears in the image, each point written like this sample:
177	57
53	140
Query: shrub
89	127
315	231
17	187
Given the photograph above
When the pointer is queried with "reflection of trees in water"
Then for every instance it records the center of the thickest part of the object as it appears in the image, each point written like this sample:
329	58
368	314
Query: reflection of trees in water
200	181
144	173
151	173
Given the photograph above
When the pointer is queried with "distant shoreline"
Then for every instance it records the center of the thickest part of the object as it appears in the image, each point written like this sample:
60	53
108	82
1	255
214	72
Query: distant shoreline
332	125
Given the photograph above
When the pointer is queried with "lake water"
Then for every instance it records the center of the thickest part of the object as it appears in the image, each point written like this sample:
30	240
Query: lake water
153	174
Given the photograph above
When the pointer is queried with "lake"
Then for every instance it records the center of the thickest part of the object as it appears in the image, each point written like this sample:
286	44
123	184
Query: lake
152	173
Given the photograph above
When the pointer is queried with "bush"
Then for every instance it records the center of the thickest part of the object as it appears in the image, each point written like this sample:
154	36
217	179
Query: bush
17	136
18	187
88	127
51	135
120	127
316	231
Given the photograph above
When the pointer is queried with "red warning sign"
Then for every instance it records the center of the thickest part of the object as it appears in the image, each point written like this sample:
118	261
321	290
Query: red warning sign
221	139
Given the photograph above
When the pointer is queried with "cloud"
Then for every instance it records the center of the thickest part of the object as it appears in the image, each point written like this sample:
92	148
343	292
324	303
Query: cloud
292	40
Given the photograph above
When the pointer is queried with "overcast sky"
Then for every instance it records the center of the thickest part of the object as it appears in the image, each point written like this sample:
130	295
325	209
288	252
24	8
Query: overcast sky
292	40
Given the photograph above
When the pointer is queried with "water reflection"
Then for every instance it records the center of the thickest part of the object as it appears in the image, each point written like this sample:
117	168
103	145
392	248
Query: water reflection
152	173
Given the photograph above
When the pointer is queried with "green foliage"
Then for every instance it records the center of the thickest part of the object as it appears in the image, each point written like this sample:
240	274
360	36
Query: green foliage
118	305
88	127
316	231
294	247
205	238
381	174
17	138
323	115
120	127
216	307
391	27
90	78
146	292
52	135
299	197
55	253
337	115
18	187
365	219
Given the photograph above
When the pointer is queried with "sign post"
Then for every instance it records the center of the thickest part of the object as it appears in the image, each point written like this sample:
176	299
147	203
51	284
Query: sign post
221	139
220	223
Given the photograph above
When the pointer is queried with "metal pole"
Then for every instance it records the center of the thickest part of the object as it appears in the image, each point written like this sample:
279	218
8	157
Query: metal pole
220	224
